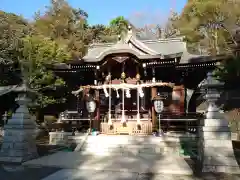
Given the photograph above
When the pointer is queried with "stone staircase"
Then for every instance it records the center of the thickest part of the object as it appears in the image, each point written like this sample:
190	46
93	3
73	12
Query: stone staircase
122	153
136	145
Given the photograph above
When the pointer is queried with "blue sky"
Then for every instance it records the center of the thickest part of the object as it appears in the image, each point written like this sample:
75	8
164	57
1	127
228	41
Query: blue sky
102	11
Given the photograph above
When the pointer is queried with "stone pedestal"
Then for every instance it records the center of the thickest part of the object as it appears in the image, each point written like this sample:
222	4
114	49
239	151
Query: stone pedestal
216	152
19	143
59	138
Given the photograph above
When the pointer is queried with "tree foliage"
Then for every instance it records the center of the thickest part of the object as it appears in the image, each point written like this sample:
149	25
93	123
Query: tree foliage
38	53
119	25
13	28
160	28
198	14
209	27
66	25
229	72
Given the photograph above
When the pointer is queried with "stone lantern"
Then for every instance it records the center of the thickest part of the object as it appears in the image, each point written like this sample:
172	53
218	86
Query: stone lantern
212	89
215	145
19	144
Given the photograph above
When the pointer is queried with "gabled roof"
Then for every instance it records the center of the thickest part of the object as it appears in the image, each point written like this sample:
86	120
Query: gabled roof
142	49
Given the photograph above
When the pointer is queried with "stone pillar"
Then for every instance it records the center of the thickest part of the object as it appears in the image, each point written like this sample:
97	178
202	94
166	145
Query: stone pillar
19	143
154	116
215	145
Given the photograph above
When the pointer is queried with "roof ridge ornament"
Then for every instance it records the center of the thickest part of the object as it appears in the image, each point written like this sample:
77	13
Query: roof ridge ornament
130	29
126	36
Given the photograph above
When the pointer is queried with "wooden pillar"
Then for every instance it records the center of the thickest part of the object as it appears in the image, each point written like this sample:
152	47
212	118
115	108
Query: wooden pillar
179	92
153	95
154	116
96	122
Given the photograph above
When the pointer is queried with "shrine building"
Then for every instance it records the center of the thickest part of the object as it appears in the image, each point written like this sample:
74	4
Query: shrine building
124	77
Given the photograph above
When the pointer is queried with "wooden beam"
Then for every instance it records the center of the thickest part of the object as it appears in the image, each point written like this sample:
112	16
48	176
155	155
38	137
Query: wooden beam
154	116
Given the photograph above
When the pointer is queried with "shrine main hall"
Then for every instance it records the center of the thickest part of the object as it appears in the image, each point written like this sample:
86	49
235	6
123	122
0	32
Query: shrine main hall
125	77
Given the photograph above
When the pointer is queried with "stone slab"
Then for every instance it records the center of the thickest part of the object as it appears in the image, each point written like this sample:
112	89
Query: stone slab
215	129
216	135
220	161
134	145
214	122
220	152
221	169
140	163
143	140
217	143
18	146
71	174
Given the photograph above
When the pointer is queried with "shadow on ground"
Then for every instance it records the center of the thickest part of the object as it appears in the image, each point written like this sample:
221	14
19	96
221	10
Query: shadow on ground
131	160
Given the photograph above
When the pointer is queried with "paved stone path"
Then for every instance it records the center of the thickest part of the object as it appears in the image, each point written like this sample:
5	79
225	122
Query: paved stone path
50	173
124	163
23	173
71	174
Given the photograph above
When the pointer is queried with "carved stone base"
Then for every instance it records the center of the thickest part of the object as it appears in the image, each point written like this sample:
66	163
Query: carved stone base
18	146
216	152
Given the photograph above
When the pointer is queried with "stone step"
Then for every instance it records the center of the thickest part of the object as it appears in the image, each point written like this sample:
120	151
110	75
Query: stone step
135	145
140	145
98	142
149	151
138	164
122	139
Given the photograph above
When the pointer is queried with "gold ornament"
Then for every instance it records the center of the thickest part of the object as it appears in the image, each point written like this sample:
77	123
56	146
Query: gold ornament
123	75
138	77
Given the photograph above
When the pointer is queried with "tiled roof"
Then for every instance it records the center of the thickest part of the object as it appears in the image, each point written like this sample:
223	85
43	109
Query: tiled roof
142	49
